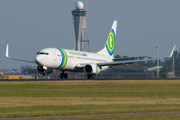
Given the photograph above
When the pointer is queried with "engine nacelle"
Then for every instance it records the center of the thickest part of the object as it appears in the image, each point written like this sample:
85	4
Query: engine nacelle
43	71
91	69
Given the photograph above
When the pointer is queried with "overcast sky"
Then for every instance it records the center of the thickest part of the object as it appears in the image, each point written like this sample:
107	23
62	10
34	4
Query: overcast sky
31	25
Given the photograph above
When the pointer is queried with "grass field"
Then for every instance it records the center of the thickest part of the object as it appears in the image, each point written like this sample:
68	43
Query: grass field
31	99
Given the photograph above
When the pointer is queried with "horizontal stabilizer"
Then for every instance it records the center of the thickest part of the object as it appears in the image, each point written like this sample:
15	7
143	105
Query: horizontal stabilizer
154	68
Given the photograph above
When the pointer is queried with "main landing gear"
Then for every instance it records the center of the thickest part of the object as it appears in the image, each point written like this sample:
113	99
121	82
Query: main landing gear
89	76
64	75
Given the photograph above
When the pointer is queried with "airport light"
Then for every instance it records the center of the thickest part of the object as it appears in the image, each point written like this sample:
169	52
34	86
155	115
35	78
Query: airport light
158	60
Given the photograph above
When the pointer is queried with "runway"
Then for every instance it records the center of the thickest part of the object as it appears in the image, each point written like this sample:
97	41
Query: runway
98	79
90	116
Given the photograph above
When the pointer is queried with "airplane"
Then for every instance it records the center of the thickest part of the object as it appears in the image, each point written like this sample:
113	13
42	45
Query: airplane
48	59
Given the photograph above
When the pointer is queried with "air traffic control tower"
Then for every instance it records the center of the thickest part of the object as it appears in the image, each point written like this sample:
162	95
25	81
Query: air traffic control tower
79	20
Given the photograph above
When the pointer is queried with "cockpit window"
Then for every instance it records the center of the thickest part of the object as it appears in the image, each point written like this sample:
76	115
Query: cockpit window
43	53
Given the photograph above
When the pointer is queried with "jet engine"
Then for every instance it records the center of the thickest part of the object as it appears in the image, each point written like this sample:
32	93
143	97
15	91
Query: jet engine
43	71
91	69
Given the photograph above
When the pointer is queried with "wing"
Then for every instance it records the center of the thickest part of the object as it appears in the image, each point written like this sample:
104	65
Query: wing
125	63
115	62
7	56
128	58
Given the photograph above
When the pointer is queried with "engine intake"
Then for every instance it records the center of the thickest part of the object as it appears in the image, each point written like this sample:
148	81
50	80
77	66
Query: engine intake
91	69
88	68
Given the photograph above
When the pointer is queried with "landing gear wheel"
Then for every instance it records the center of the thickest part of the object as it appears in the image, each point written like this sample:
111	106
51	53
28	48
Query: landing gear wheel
89	76
44	73
93	76
61	75
64	75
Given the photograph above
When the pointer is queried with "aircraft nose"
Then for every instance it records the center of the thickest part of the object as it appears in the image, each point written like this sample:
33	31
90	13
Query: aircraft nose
39	60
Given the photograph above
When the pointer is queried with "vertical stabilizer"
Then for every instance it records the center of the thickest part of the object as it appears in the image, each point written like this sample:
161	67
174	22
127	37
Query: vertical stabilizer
110	43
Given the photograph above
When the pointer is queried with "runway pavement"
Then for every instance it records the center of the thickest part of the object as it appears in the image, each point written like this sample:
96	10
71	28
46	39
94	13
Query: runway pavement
103	79
90	116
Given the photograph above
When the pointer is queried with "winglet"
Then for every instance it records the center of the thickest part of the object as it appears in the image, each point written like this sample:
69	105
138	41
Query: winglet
7	56
7	51
171	52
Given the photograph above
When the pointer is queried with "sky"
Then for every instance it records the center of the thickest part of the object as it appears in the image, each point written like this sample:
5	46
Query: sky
31	25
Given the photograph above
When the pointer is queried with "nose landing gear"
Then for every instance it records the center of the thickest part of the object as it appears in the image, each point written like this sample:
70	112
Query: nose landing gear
64	75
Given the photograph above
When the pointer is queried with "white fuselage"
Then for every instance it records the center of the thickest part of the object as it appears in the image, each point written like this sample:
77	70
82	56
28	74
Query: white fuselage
67	60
